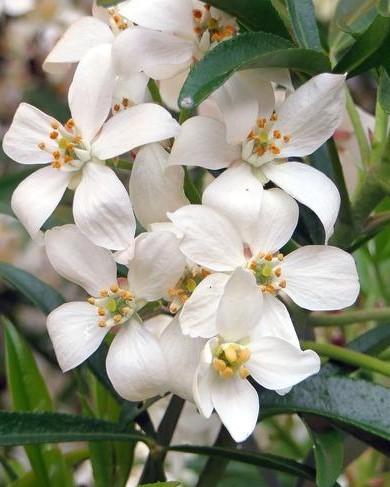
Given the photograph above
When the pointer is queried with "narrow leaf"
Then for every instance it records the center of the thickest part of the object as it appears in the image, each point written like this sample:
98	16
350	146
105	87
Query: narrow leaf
39	293
304	23
249	50
383	7
384	91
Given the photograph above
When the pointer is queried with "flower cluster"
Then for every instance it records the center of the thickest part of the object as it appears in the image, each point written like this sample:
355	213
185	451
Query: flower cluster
203	310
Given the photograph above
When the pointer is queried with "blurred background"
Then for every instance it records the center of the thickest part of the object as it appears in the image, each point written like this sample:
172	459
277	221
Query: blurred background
28	31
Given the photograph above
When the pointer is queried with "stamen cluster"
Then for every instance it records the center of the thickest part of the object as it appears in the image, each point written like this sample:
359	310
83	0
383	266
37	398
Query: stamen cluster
229	360
268	272
115	306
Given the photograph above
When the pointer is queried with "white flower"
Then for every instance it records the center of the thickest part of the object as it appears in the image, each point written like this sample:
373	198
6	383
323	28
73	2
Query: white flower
252	132
16	7
77	329
240	225
246	346
76	153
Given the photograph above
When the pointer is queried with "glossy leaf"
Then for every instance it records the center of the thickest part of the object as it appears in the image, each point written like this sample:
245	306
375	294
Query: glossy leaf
366	52
163	484
383	7
261	460
348	402
304	23
29	393
384	91
250	50
328	447
43	296
256	15
36	428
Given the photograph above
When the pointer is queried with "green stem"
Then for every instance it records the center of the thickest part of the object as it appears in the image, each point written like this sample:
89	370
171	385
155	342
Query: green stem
364	147
380	134
350	357
120	164
154	91
349	317
184	115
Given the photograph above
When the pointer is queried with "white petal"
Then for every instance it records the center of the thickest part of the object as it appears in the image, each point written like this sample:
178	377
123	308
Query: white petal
276	222
90	93
203	380
321	277
154	188
170	89
19	7
311	114
135	363
158	324
133	87
77	259
102	208
182	354
239	107
277	364
80	37
275	321
240	308
310	187
160	55
124	256
29	128
279	76
210	240
202	142
237	194
37	196
237	404
164	15
74	331
157	265
136	126
199	313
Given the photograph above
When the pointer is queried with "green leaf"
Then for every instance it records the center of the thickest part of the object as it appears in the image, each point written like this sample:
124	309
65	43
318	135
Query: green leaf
347	402
249	50
328	447
254	15
163	484
384	91
383	7
108	3
272	462
367	51
36	428
304	23
39	293
29	393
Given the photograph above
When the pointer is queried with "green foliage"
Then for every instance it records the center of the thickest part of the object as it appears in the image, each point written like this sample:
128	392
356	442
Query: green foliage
304	23
384	91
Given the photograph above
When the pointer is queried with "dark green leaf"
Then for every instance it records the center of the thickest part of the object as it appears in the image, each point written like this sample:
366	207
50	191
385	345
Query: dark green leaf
40	294
250	50
36	428
328	447
254	15
108	3
366	52
384	91
304	23
348	402
272	462
163	484
29	393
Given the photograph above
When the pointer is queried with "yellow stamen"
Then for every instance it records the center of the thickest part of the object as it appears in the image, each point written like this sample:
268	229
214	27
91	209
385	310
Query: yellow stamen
227	373
114	288
244	372
91	300
219	365
231	354
101	311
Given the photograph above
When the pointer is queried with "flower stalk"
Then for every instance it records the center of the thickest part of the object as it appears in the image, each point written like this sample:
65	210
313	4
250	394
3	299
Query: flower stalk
349	317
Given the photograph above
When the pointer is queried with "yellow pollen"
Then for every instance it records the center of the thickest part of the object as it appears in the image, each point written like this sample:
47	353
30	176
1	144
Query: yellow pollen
42	146
126	310
102	323
231	354
101	311
278	272
227	373
117	318
260	151
54	134
282	284
244	355
277	134
286	138
219	365
67	159
56	164
56	154
261	123
117	107
280	257
114	288
91	300
70	124
197	14
273	117
125	102
55	125
274	149
268	256
244	372
103	293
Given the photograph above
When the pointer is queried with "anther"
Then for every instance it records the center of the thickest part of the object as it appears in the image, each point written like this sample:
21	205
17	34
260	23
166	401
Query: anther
117	107
277	134
70	124
101	311
261	123
231	354
286	138
54	134
56	165
197	14
55	125
273	117
114	288
278	271
280	257
219	365
260	151
268	256
91	300
56	154
244	372
125	102
42	146
102	323
244	355
103	293
275	149
227	373
282	284
117	318
126	310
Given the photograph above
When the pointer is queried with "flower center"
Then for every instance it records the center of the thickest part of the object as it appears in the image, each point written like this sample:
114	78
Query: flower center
229	360
117	22
185	287
68	142
262	139
219	28
114	306
268	272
